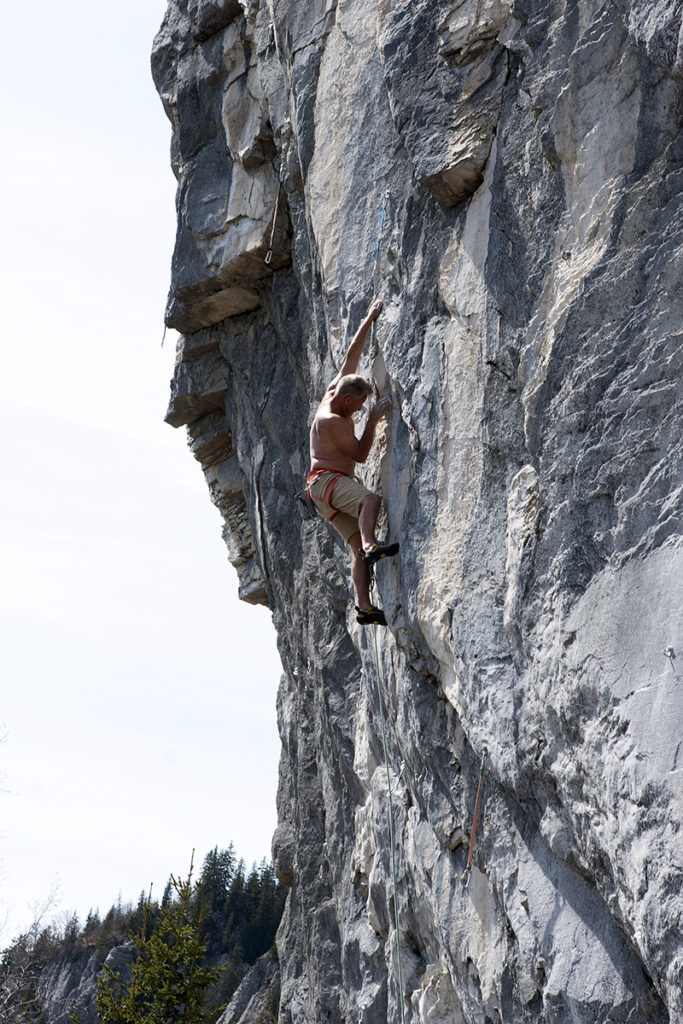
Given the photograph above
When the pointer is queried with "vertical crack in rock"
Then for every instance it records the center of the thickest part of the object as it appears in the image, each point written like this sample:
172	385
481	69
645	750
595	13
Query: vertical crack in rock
527	158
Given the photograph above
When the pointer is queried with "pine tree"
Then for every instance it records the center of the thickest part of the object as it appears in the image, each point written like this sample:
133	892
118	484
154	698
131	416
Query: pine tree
168	979
217	874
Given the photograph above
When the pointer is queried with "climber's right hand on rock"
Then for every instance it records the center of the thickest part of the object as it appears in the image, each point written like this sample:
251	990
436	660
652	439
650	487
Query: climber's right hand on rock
375	310
380	409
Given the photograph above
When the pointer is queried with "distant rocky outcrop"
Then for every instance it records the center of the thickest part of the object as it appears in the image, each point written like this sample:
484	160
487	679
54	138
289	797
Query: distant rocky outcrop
519	164
61	987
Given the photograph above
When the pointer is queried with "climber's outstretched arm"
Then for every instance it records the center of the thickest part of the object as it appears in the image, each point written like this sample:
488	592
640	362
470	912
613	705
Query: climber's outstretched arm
355	349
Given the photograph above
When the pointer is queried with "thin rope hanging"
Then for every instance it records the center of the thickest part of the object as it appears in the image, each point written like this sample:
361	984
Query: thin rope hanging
381	229
392	830
380	695
375	270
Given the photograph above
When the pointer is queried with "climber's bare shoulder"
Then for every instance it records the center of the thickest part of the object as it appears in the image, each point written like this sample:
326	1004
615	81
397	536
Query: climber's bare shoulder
332	440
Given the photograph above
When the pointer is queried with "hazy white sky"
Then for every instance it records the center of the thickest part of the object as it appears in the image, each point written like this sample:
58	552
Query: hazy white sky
137	695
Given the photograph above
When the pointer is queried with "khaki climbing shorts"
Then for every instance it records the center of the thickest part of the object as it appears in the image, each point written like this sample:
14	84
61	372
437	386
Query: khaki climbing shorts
347	494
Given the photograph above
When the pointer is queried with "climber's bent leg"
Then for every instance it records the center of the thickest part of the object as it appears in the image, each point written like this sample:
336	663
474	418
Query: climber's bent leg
368	511
367	615
359	572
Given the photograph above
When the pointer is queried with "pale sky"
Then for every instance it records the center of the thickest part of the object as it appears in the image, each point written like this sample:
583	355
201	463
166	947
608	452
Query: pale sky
137	694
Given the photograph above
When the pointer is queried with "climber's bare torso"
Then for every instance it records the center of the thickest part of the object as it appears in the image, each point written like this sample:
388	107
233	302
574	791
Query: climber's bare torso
333	441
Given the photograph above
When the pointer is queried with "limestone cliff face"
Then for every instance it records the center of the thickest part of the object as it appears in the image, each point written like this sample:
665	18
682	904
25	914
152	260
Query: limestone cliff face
522	160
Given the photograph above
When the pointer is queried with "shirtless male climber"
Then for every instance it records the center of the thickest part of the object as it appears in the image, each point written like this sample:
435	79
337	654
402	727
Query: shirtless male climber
338	495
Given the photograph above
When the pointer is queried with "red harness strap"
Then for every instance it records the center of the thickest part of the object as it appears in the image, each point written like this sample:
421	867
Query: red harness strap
313	476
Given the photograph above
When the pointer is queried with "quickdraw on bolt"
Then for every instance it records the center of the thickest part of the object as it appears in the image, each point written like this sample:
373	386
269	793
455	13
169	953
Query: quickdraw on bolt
269	254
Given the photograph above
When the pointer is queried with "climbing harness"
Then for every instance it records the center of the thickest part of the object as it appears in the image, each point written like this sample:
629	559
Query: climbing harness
392	836
468	870
305	503
311	479
268	255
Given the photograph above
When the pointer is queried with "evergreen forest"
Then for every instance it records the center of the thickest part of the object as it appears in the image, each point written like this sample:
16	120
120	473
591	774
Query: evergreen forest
237	914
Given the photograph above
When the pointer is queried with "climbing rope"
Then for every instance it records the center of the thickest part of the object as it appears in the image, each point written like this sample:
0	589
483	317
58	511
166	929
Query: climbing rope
468	870
392	832
269	254
381	229
375	273
380	695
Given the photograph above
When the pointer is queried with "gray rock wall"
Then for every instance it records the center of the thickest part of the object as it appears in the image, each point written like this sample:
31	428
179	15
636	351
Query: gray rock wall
527	157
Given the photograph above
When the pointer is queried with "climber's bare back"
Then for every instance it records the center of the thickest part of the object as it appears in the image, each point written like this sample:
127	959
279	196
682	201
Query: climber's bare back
333	440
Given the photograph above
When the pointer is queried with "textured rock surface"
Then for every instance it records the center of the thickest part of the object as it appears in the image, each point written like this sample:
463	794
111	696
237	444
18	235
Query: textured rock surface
527	157
66	987
257	998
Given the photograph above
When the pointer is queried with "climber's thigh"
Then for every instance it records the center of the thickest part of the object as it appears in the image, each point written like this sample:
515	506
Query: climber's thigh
347	495
345	526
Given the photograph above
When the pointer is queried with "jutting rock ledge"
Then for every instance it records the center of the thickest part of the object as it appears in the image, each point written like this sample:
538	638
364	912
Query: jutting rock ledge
528	159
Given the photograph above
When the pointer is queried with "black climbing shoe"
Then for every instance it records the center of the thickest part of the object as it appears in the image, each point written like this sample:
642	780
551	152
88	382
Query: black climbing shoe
378	551
371	617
